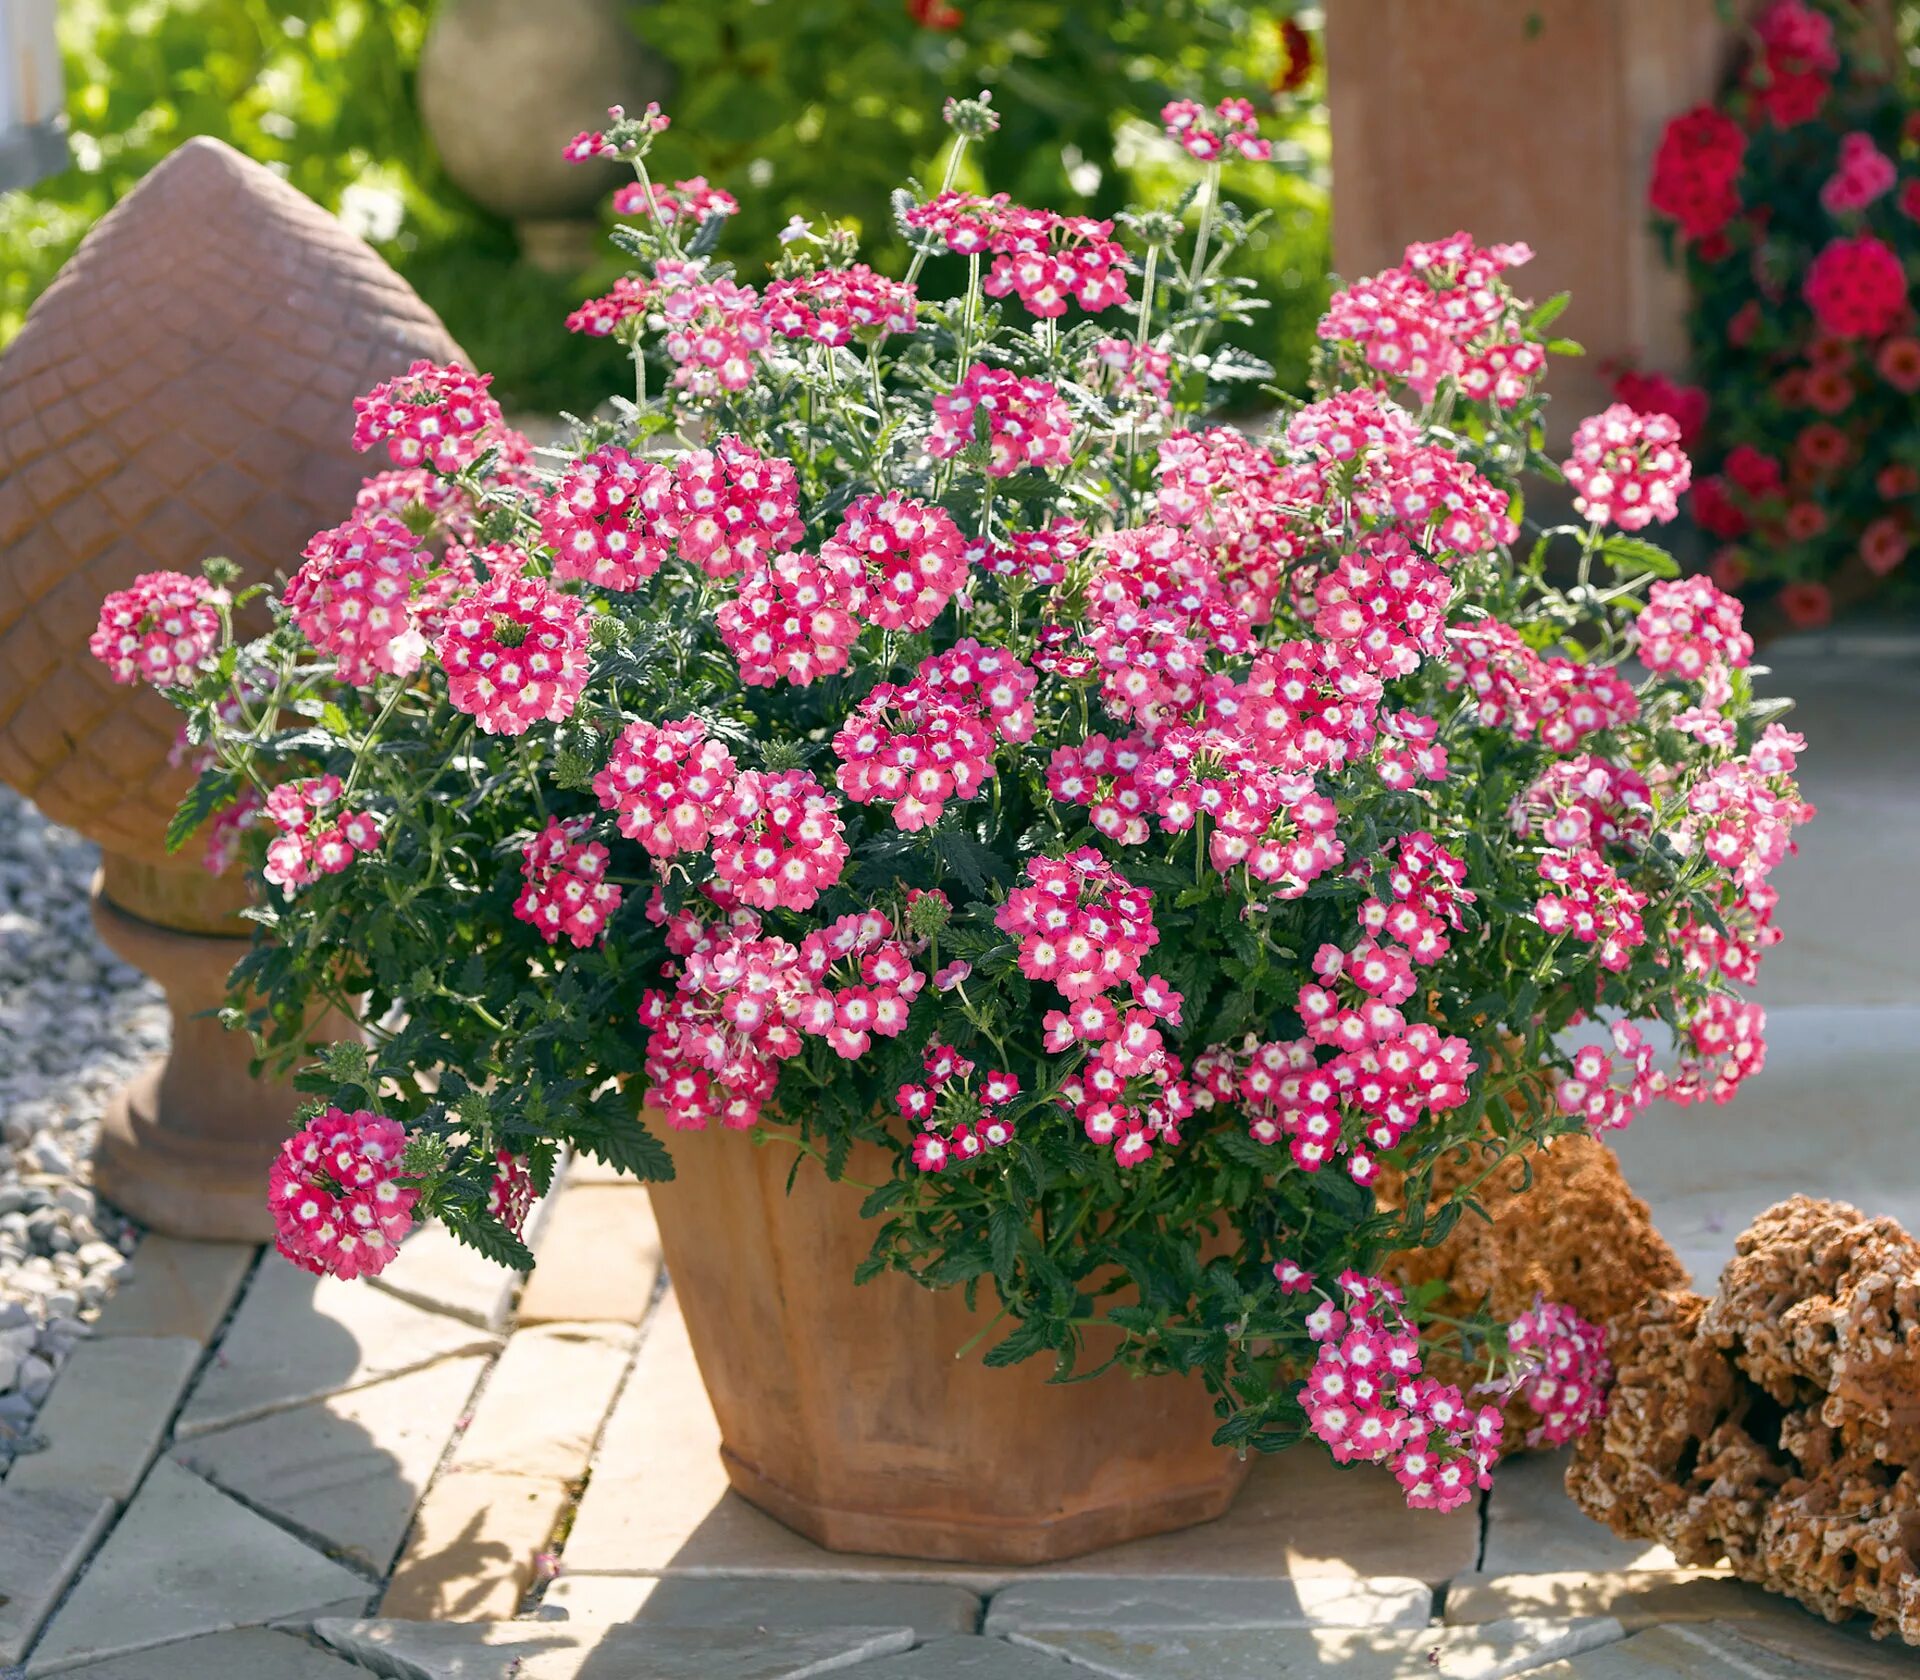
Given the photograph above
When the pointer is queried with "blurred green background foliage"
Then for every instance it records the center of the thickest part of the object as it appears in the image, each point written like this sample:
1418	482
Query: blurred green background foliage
798	107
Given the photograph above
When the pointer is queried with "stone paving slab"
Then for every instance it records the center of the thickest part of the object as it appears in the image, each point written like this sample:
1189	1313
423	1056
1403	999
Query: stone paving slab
1533	1527
348	1470
969	1659
108	1414
1706	1171
1122	1605
547	1396
681	1601
659	1503
405	1650
1845	942
187	1560
250	1654
1636	1598
298	1338
1485	1653
436	1271
173	1287
475	1547
44	1539
1710	1651
599	1257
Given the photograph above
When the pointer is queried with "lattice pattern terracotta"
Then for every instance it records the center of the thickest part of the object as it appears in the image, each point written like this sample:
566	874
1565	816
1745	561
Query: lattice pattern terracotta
184	388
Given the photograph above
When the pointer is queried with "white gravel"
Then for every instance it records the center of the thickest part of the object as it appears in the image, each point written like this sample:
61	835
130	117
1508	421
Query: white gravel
75	1022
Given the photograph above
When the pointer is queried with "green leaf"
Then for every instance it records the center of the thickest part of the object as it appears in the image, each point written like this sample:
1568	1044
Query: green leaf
1628	554
488	1237
214	788
1546	313
1007	1228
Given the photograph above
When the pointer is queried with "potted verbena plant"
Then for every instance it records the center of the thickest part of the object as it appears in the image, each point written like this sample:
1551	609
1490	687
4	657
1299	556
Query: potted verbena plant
945	817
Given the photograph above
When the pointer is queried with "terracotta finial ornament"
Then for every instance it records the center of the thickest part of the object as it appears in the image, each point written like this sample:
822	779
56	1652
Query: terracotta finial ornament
183	388
1778	1424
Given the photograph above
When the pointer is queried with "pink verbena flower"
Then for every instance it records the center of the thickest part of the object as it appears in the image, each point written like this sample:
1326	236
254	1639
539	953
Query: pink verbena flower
1696	171
159	629
1585	801
1689	627
314	838
778	841
715	329
431	415
1791	76
1863	173
515	652
971	1112
864	982
1388	602
735	508
1628	469
1137	378
690	200
1563	1371
1592	904
1367	1400
612	519
833	306
910	558
1027	422
669	783
1856	288
510	1195
334	1190
1592	1090
1231	127
1080	924
603	316
351	596
566	887
792	618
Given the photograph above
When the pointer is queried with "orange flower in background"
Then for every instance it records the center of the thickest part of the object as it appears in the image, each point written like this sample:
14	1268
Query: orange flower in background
935	14
1807	605
1296	58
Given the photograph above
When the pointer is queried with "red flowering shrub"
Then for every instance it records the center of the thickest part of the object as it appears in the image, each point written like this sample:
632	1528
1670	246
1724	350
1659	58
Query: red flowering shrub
1149	832
1793	205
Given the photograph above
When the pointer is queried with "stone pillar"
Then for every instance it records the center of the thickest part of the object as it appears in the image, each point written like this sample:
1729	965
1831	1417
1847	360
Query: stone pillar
184	388
1529	120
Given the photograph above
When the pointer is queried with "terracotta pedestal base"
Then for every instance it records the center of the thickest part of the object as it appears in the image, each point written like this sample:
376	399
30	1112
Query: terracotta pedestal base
186	1145
848	1413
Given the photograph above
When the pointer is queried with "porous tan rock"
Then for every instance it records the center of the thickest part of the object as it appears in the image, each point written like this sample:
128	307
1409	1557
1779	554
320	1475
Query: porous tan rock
1778	1424
1561	1223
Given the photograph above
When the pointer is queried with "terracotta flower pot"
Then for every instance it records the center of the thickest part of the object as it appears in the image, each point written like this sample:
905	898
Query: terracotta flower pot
845	1413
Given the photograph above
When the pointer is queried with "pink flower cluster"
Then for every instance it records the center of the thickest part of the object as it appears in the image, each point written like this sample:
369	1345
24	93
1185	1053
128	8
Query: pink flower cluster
334	1190
1628	469
566	887
779	841
864	982
515	652
835	305
612	519
1592	1089
668	783
1231	128
1389	603
1791	75
1585	801
1857	288
1043	258
1564	1371
716	329
1592	904
790	620
972	1114
1561	700
919	744
314	837
902	560
1442	314
685	201
510	1195
1696	172
159	629
1083	927
442	417
1691	628
1025	421
1367	1400
1863	173
351	596
734	507
1137	377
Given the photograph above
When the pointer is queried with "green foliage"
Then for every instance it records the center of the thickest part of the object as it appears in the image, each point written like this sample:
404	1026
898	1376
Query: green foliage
795	108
